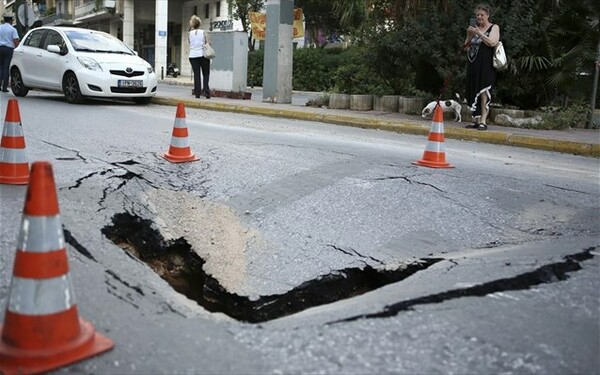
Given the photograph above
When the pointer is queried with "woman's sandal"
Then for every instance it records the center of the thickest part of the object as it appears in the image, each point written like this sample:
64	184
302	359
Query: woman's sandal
481	127
472	126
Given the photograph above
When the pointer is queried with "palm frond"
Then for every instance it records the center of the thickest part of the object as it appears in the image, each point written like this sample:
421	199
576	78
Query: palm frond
533	63
559	78
349	11
576	52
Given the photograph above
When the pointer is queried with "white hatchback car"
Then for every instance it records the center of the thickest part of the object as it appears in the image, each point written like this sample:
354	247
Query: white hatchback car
80	63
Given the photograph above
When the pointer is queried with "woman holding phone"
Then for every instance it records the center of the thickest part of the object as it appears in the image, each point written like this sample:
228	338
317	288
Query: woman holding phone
481	38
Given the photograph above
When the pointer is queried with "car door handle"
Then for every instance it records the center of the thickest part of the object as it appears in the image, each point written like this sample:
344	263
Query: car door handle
39	54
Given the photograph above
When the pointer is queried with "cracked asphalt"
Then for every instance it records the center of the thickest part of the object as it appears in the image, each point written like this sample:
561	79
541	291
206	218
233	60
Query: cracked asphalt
274	204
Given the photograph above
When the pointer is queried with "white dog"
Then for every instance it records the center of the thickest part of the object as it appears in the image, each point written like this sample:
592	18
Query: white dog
447	106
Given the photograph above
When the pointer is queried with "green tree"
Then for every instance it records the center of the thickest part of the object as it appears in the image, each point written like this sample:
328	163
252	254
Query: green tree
329	17
550	43
415	46
573	37
239	11
351	13
318	16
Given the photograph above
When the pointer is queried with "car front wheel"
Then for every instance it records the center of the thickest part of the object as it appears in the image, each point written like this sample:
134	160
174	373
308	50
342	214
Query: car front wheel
16	83
71	89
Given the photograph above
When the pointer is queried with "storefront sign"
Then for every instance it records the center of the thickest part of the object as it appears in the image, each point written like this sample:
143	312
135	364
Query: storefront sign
223	25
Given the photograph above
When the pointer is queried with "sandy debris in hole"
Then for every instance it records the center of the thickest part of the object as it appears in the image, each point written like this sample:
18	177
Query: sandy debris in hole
214	232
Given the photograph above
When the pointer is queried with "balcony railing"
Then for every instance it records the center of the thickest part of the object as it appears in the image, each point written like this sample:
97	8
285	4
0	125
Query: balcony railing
93	8
57	19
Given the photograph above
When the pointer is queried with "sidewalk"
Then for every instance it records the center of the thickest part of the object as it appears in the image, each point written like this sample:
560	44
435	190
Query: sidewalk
584	142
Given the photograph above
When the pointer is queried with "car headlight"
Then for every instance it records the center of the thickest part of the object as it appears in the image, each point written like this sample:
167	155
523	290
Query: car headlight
150	69
89	63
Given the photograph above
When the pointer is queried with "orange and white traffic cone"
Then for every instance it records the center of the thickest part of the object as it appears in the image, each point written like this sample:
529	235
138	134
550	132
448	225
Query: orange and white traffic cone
14	165
179	150
435	155
42	330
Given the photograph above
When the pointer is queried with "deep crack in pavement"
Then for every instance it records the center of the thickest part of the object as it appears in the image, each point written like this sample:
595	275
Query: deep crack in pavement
177	263
549	273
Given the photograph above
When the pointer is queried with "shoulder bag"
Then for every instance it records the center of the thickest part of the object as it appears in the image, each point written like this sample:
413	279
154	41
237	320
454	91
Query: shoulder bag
209	52
500	60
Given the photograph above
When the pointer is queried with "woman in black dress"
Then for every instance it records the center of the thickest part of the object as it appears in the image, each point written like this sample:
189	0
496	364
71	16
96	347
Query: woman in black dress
481	75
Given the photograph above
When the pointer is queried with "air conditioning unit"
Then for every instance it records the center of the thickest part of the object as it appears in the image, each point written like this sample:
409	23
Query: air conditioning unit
110	4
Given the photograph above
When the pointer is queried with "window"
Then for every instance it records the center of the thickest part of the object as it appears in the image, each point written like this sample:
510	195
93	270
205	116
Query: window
95	41
34	39
206	11
53	38
218	9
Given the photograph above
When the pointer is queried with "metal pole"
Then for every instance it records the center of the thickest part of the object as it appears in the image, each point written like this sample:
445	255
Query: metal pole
25	5
594	87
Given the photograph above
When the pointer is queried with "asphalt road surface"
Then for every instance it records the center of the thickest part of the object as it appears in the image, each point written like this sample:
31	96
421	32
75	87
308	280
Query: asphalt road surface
299	247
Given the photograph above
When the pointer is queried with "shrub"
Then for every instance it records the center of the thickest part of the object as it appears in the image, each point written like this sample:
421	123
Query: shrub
325	69
359	79
314	68
255	67
356	76
574	116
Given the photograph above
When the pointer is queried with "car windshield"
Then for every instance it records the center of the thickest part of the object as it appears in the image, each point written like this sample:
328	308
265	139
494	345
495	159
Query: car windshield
93	41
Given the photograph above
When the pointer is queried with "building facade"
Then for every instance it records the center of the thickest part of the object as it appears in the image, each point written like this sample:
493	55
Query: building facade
156	29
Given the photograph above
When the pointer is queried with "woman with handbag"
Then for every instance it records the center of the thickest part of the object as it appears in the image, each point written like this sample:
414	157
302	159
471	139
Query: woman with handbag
481	39
198	38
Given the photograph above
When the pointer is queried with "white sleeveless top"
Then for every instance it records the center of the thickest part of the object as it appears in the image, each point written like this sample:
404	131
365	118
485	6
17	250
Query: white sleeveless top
197	42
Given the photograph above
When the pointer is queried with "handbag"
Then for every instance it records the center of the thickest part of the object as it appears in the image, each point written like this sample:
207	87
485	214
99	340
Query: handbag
500	60
209	52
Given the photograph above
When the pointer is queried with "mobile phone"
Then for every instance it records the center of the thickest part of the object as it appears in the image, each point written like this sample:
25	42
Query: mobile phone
473	22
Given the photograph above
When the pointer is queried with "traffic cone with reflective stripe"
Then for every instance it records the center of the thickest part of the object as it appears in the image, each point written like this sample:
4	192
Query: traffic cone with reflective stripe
42	330
14	165
179	150
435	155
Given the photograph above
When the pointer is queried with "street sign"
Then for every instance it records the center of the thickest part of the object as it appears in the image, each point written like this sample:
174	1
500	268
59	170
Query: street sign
27	18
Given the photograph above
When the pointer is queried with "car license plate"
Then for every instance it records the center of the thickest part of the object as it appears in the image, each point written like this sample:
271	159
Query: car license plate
130	83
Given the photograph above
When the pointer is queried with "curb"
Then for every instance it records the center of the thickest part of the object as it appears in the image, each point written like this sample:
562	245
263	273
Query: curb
492	137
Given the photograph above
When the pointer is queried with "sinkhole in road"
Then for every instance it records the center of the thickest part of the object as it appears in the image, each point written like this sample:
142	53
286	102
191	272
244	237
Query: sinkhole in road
177	263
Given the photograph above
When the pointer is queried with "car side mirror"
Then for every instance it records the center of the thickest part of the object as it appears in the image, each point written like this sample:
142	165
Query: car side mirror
54	48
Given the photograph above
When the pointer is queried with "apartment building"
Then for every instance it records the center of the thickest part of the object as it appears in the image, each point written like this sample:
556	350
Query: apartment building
156	29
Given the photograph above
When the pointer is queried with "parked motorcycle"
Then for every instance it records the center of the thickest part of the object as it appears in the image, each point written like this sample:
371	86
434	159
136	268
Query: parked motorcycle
172	70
